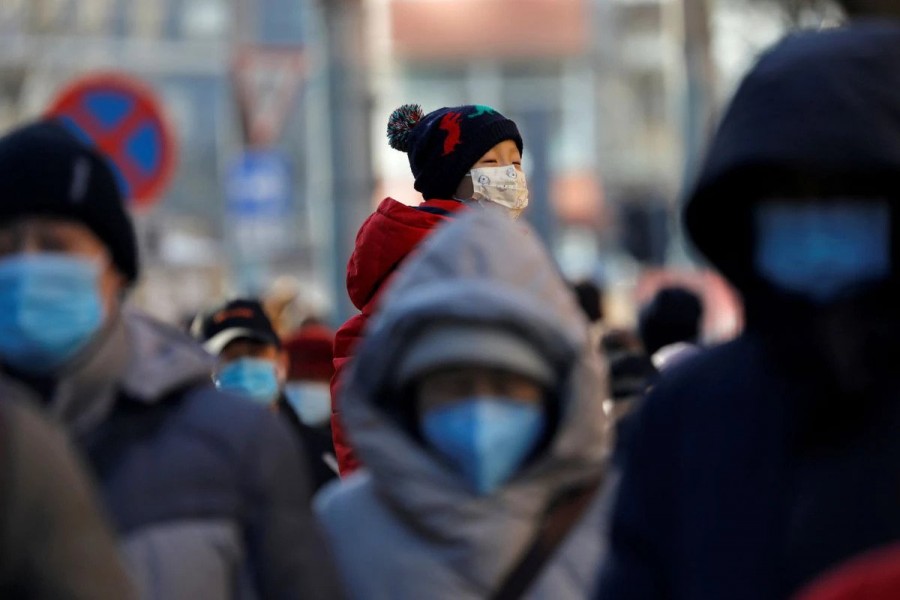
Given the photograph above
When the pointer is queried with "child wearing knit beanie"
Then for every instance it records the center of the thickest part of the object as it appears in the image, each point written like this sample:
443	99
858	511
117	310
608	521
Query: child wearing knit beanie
469	153
460	156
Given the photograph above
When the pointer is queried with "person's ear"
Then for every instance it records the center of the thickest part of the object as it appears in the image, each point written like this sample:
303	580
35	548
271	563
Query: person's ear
465	190
113	287
282	364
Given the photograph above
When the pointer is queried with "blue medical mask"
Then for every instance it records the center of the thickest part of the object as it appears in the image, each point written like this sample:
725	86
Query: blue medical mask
50	308
485	438
253	377
311	400
823	249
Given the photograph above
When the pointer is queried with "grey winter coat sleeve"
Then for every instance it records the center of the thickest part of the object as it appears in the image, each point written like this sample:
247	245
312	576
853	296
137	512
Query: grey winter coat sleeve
54	543
286	550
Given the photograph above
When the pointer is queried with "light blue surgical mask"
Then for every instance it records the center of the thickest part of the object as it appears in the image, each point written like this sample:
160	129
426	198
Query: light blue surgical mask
255	378
311	400
50	308
820	250
486	438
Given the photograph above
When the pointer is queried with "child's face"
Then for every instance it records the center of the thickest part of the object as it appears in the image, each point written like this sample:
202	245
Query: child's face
503	154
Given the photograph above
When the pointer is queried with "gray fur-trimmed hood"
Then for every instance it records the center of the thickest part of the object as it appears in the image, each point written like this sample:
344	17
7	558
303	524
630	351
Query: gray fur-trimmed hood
481	269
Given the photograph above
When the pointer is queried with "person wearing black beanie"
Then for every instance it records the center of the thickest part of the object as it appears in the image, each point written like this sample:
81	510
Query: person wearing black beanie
445	145
67	248
45	170
673	316
184	469
460	156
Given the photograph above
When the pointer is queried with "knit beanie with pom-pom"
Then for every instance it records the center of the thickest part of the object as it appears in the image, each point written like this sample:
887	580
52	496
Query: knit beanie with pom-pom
444	144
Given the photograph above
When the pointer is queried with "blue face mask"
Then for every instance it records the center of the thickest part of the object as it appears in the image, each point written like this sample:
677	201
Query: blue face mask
485	438
311	401
252	377
50	308
821	250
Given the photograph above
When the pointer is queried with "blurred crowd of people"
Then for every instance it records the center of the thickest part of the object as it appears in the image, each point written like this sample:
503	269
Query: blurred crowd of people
477	430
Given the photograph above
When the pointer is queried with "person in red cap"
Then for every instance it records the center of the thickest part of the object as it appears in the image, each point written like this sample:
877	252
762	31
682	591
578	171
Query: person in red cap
463	155
306	400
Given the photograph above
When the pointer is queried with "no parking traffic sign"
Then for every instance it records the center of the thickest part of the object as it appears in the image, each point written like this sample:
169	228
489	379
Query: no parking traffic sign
121	116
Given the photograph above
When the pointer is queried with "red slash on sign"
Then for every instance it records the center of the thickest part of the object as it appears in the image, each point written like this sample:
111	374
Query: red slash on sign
122	117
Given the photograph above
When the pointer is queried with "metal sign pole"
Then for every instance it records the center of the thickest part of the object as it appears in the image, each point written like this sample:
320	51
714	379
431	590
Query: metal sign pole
351	167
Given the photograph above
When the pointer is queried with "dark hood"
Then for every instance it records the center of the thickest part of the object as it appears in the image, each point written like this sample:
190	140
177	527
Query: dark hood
819	115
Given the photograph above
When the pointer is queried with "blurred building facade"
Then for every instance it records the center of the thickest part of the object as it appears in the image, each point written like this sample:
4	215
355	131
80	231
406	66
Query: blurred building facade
602	91
592	83
186	50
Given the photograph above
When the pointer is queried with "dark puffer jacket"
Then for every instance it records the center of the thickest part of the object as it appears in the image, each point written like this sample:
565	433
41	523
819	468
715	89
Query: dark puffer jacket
207	492
733	484
53	541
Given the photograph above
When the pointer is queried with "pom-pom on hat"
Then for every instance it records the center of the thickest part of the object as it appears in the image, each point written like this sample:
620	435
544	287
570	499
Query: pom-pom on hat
444	144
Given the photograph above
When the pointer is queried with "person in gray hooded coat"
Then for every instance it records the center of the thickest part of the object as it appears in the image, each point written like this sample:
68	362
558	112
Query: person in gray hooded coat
451	502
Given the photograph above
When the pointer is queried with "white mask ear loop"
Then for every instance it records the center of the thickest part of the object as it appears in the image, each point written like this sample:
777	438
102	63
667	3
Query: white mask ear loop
281	373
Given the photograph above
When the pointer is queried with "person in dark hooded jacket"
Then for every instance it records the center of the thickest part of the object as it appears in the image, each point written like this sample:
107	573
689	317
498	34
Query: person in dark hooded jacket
462	155
758	465
669	326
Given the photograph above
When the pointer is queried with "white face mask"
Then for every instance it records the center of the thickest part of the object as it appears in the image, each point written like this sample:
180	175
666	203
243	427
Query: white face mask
310	400
505	186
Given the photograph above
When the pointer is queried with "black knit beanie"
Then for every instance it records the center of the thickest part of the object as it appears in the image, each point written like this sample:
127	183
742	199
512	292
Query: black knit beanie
444	144
673	315
46	171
